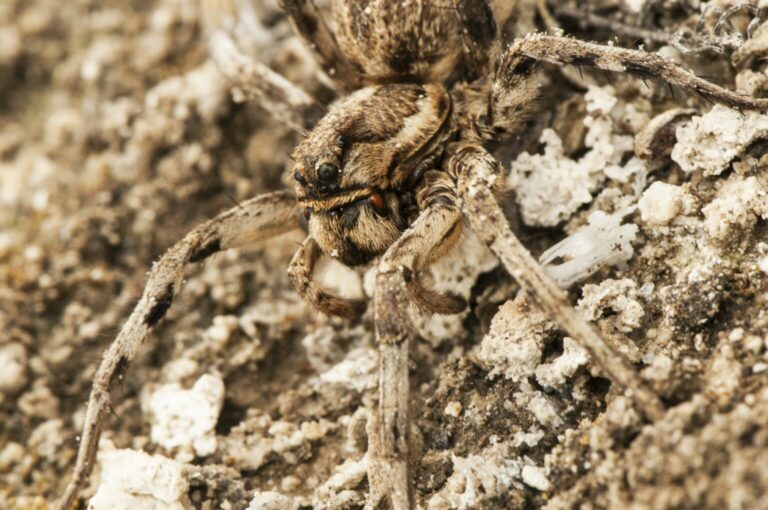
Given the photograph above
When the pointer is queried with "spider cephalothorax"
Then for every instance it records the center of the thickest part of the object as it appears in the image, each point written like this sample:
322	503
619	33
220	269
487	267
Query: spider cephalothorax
356	172
395	170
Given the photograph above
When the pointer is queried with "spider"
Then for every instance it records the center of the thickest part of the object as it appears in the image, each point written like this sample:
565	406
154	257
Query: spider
392	172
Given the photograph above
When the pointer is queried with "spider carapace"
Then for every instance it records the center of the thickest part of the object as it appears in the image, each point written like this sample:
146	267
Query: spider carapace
357	170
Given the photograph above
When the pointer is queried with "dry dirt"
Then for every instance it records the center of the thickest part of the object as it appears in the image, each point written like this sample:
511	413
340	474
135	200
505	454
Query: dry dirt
117	136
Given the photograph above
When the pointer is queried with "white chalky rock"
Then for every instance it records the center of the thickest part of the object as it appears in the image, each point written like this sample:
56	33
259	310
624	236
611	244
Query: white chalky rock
514	343
534	476
661	203
271	500
616	296
132	480
346	478
550	187
555	374
357	371
709	143
186	419
540	406
477	478
738	204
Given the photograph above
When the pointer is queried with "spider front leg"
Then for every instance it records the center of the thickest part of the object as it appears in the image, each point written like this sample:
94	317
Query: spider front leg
433	233
254	220
300	274
276	94
478	174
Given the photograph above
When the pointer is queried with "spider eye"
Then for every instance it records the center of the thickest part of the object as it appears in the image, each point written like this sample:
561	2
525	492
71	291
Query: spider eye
377	202
299	178
342	141
328	172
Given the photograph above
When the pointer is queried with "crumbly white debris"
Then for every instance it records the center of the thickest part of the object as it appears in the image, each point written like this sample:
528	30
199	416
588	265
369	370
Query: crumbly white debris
47	438
723	375
343	486
477	478
222	328
660	367
11	454
550	187
539	405
358	371
323	348
710	143
251	443
661	203
185	420
39	401
556	373
132	479
202	91
514	343
621	413
534	476
603	242
271	500
13	369
738	204
618	296
528	438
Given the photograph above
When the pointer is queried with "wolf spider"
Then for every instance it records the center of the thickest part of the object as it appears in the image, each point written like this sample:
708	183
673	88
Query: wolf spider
394	171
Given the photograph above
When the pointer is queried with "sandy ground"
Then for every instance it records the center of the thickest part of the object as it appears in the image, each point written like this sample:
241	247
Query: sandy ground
117	135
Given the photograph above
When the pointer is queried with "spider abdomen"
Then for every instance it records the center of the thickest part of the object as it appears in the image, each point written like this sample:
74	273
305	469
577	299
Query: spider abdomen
419	40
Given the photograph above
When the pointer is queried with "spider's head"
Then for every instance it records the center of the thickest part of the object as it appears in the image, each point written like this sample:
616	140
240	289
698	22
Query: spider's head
355	170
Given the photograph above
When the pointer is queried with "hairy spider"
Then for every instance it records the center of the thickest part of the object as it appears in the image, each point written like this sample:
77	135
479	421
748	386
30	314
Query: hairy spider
393	172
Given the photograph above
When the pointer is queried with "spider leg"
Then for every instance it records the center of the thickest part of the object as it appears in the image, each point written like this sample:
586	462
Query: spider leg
478	174
389	430
280	97
310	25
525	51
254	220
300	274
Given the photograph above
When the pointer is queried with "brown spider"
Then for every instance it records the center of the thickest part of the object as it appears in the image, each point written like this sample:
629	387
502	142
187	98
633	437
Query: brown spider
393	171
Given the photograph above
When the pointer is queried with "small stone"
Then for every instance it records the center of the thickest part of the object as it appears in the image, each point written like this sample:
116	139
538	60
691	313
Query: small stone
134	479
13	368
534	476
186	419
10	455
660	203
290	483
453	409
763	265
271	500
